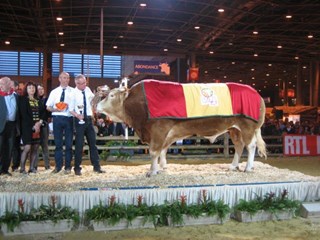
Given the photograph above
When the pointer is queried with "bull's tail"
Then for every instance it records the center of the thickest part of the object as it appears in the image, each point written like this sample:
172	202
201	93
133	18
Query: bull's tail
261	145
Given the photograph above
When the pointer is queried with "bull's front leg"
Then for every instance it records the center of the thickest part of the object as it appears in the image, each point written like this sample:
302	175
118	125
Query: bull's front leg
163	159
154	168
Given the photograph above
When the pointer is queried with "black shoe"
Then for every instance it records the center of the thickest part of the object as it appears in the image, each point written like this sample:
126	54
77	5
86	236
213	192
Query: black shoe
6	173
32	171
77	172
23	171
55	171
99	171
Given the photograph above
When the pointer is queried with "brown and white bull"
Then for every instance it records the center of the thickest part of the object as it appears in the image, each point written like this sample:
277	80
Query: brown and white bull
131	106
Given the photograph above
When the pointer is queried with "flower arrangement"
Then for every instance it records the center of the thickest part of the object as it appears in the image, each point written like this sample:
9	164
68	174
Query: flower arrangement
52	212
61	105
270	202
113	212
177	209
118	153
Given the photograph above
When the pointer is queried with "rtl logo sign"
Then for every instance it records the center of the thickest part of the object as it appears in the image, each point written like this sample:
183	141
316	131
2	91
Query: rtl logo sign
301	145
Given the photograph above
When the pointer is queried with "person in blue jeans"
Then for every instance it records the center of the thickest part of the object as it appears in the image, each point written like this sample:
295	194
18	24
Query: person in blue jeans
83	119
62	122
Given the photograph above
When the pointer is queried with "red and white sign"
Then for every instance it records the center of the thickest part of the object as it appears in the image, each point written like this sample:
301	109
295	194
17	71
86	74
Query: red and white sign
301	145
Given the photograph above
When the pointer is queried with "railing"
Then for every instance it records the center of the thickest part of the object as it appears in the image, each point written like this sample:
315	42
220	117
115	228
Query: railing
200	147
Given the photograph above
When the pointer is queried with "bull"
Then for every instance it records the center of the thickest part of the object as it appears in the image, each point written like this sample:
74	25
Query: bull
132	107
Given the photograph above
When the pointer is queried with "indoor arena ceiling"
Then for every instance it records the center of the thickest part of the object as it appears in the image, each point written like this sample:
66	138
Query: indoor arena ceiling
276	30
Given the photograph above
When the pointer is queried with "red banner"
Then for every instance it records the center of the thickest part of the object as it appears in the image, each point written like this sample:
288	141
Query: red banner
301	145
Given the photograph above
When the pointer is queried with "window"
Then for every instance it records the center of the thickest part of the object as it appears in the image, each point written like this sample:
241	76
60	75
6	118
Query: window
91	66
31	64
8	63
112	66
72	64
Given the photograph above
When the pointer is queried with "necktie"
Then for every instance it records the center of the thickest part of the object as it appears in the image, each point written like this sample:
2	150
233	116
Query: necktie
84	104
62	95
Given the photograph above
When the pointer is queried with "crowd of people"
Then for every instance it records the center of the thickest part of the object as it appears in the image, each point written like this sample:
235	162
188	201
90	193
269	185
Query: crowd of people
25	118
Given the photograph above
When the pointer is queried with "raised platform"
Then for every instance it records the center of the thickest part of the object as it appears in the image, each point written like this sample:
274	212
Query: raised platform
229	193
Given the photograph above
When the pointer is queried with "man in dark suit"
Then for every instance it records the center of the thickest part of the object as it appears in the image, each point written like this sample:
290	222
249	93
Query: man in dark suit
9	122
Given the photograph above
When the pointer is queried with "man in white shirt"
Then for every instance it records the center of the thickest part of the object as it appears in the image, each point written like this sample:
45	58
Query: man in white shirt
84	125
62	121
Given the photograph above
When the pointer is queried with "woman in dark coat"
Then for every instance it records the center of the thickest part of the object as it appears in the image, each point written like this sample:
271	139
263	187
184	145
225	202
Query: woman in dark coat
31	115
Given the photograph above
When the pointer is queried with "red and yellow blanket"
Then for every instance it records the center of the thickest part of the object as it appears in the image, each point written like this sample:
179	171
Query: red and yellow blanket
174	100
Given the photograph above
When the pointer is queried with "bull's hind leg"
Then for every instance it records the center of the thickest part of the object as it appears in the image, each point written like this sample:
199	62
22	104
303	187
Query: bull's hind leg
237	140
251	147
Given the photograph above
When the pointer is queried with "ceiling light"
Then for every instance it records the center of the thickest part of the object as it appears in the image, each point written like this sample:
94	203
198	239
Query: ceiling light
165	49
310	36
267	74
270	64
252	69
279	46
296	57
220	10
59	19
130	23
179	40
143	4
60	33
288	16
233	63
7	42
62	45
115	47
304	67
255	55
255	32
121	36
211	52
197	27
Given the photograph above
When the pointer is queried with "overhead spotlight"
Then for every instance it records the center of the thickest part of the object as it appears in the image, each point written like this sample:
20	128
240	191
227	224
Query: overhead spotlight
255	55
7	42
130	23
115	47
255	32
143	4
62	45
310	36
220	10
196	27
59	18
279	46
61	33
288	16
179	40
296	58
211	52
165	49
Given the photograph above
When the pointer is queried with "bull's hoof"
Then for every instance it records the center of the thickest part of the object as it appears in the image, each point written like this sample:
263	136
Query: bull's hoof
248	170
234	168
149	174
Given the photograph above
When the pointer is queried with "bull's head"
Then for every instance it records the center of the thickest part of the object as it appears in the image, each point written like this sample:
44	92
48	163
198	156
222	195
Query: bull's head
102	92
112	104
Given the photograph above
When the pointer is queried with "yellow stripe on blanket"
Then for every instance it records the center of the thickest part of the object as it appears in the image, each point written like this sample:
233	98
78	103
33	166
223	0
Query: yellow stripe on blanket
207	100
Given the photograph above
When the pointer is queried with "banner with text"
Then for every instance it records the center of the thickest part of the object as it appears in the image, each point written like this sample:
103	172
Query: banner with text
153	67
301	145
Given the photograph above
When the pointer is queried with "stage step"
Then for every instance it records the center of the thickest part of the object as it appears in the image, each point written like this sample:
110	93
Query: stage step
310	210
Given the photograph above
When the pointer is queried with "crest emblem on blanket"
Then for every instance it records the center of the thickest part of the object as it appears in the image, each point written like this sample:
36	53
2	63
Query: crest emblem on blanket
208	97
